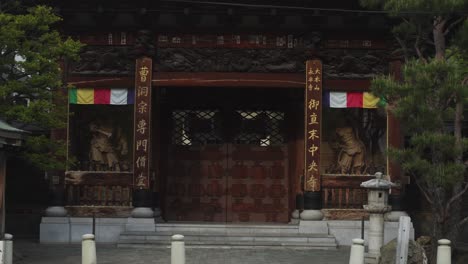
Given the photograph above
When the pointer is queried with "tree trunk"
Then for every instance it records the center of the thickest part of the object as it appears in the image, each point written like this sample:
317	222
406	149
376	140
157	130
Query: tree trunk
437	230
439	37
454	216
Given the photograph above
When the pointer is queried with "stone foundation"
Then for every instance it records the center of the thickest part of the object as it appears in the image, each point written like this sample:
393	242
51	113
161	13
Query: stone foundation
108	230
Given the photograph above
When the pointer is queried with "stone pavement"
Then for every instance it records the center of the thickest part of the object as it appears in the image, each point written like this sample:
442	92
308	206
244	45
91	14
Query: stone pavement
30	252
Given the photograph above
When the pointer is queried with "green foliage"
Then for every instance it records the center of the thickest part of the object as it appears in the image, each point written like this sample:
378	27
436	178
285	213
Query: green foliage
424	102
31	90
399	7
35	148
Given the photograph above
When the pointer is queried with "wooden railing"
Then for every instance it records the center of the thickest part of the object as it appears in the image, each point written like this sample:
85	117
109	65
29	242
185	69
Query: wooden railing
343	192
92	188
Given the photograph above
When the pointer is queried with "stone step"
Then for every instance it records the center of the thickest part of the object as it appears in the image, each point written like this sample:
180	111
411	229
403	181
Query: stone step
227	228
229	239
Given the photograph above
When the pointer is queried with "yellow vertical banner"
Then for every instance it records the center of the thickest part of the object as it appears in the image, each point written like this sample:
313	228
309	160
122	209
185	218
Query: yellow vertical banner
312	125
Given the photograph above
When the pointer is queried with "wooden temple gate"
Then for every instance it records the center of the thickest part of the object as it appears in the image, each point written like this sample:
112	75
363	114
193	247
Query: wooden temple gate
222	161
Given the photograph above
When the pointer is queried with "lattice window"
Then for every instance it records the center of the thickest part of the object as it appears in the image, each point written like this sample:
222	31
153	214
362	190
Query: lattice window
262	128
196	127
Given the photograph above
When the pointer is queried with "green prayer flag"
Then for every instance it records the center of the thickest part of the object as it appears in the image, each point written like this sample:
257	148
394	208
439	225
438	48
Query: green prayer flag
72	98
382	102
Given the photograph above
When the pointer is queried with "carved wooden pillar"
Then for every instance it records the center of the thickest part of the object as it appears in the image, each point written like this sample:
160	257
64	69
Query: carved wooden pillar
395	140
395	137
57	191
312	137
142	193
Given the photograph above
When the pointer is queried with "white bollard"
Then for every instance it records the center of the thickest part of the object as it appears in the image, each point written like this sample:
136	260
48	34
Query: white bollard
88	250
357	252
444	252
178	250
8	249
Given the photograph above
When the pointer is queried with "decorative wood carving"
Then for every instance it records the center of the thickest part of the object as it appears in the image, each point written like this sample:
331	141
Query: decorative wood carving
98	178
337	63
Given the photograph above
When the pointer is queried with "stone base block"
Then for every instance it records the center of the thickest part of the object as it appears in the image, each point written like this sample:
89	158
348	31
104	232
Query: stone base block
140	224
80	226
142	212
71	229
345	231
311	215
54	230
108	230
56	211
313	227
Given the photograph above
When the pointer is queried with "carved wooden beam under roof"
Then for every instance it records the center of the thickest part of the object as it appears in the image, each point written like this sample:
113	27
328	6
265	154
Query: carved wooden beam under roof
199	15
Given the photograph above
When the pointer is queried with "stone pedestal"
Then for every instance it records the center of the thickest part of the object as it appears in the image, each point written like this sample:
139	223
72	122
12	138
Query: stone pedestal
311	215
312	206
142	212
57	203
56	211
55	230
142	216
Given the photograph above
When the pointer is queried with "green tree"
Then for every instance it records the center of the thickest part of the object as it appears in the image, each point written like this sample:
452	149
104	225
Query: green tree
31	88
429	102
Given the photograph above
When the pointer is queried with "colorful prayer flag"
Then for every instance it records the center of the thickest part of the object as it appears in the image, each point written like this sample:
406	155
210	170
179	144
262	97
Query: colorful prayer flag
113	96
351	100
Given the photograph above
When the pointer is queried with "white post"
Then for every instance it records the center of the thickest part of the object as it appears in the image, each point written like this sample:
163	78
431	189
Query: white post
357	252
404	227
2	251
88	250
8	249
444	253
178	250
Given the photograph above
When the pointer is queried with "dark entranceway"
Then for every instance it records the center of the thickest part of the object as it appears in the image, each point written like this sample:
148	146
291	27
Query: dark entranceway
227	158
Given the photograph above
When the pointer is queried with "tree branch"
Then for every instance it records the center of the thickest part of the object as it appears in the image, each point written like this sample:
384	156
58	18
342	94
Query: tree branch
465	81
463	221
454	23
454	198
403	46
418	51
423	190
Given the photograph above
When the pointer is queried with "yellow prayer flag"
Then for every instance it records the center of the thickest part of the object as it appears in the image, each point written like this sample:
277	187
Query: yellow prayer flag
369	100
85	96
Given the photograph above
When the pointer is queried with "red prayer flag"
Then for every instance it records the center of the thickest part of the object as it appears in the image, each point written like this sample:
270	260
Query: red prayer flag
354	99
102	96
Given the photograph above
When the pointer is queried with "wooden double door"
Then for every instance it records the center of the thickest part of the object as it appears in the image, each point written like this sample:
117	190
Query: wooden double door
227	165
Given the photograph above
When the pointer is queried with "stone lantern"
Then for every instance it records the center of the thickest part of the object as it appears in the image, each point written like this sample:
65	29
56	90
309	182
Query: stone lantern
378	190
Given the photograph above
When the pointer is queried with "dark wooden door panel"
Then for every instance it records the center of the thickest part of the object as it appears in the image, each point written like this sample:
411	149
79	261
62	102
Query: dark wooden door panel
196	184
257	184
227	164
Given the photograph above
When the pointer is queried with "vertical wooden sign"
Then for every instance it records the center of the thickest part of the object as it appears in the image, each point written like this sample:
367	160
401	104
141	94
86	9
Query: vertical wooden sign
313	118
142	123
